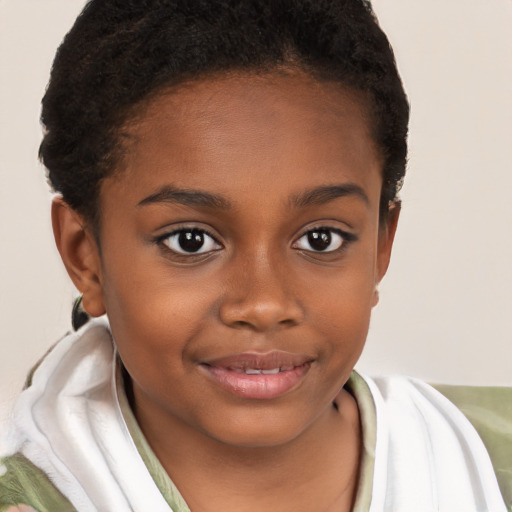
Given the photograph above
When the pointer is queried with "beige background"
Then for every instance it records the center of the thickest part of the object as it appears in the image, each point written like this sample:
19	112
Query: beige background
446	305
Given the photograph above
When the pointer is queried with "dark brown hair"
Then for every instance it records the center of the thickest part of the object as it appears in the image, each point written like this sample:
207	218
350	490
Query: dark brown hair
119	52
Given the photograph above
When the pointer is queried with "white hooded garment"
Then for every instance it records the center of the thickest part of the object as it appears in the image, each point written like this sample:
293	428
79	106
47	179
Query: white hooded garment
69	423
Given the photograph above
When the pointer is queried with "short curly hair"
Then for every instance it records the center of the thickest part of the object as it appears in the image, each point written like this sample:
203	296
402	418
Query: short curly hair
121	52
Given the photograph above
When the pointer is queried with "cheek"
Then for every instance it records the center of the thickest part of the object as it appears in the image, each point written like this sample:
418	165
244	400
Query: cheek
343	305
154	315
344	295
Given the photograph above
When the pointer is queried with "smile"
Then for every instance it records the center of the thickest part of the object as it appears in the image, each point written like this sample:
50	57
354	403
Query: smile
259	371
258	376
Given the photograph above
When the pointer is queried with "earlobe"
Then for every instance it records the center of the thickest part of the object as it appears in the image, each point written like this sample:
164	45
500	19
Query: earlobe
386	237
375	300
80	255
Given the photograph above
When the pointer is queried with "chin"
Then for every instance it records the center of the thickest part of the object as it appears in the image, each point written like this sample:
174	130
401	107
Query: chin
267	430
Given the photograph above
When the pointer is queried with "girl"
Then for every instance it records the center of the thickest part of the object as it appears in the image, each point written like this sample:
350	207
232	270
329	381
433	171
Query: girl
228	176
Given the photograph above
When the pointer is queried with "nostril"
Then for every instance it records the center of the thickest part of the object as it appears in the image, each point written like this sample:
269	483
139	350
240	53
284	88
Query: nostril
288	322
259	325
241	324
261	308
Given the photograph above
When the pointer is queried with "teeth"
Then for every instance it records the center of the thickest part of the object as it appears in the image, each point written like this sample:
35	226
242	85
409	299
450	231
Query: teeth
257	371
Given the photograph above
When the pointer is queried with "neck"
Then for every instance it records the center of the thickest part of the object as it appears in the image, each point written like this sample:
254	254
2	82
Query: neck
316	470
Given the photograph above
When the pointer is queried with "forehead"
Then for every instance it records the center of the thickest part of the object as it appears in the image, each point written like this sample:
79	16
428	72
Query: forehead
251	131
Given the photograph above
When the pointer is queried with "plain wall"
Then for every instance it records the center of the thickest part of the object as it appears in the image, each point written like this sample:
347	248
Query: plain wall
446	304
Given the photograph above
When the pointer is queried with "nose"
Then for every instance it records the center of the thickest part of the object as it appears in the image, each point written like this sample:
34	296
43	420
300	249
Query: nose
260	297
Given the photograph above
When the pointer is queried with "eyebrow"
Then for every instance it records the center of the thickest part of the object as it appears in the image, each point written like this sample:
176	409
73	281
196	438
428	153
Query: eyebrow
324	194
187	197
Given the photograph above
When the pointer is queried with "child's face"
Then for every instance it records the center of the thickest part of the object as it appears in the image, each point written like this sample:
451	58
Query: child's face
242	234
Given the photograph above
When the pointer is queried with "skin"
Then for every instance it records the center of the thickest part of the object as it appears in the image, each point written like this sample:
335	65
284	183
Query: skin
261	144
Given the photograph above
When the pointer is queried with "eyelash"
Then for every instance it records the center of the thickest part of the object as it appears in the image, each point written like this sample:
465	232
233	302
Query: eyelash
200	235
345	239
194	232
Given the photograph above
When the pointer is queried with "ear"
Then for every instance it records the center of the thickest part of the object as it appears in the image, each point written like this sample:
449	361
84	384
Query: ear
387	232
80	254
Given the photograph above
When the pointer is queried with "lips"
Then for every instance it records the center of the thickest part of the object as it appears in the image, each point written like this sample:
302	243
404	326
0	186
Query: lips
258	376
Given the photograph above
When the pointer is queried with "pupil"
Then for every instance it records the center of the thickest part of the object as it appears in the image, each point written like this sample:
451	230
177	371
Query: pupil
191	241
319	239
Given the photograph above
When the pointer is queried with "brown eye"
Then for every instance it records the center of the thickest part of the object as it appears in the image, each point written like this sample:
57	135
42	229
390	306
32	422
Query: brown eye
320	240
190	241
